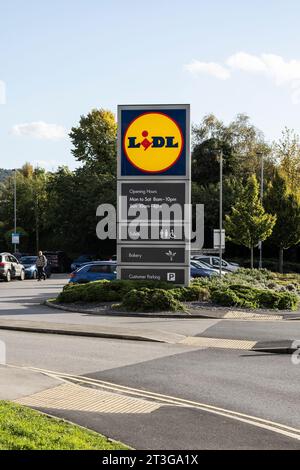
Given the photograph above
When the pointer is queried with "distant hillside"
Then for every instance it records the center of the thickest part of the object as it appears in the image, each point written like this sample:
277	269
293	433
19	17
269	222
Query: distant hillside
4	174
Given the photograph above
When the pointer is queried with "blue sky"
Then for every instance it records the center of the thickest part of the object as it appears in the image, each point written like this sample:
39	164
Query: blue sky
60	58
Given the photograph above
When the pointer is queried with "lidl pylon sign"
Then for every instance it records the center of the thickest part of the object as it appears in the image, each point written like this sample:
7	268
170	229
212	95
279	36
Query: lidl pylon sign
154	141
153	173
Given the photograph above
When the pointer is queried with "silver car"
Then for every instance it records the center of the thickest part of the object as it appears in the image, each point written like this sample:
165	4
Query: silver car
11	268
214	262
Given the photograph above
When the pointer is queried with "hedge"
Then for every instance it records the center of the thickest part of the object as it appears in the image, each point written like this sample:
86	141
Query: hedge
154	296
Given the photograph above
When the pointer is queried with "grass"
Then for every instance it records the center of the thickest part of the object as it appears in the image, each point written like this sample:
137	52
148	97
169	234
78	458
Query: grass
22	428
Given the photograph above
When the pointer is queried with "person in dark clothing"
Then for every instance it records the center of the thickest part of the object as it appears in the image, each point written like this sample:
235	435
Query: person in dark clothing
41	263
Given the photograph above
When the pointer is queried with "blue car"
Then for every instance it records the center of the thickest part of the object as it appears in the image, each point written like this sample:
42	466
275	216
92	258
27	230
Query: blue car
200	270
31	269
95	271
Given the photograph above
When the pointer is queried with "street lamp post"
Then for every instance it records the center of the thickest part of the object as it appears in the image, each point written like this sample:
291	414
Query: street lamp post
261	198
15	206
221	211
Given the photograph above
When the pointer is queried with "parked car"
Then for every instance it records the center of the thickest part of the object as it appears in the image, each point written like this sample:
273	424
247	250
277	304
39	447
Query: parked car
196	270
95	271
11	268
82	260
204	265
58	260
31	269
214	262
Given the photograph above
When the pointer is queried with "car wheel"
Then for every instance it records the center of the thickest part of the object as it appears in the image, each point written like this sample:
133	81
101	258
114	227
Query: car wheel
22	275
8	276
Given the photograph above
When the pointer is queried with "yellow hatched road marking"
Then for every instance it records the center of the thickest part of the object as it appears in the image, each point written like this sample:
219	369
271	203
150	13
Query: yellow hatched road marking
204	342
70	396
278	428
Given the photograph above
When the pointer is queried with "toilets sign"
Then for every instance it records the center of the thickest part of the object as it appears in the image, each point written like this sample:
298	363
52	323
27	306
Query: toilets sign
153	189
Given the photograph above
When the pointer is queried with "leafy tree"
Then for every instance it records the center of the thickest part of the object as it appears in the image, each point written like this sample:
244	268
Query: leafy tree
31	197
209	196
280	201
241	143
287	155
248	222
94	141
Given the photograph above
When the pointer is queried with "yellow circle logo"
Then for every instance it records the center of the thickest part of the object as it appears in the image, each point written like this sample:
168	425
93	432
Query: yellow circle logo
153	142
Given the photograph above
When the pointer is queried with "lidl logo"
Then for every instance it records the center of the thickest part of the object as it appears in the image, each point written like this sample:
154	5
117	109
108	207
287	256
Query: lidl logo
153	142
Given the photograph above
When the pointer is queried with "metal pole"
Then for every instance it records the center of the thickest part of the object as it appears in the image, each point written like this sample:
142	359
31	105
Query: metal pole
15	206
261	198
221	210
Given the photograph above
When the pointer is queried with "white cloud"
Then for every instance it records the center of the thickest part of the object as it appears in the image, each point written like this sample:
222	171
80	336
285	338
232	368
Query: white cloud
270	65
209	68
246	62
40	130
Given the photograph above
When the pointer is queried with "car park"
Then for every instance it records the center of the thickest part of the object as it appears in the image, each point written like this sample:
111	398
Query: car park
11	268
95	271
214	262
31	269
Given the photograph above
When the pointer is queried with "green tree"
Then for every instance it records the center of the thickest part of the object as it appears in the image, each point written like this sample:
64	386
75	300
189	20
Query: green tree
31	198
287	155
94	141
280	201
248	222
241	143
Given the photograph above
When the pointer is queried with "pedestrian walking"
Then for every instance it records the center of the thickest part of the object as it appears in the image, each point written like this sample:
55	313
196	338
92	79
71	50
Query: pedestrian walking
41	263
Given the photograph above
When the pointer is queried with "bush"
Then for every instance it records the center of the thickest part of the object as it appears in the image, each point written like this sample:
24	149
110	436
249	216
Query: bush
150	300
229	297
251	297
105	291
191	293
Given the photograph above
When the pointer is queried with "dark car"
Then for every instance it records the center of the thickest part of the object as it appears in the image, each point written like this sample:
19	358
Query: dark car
31	269
83	259
11	268
58	260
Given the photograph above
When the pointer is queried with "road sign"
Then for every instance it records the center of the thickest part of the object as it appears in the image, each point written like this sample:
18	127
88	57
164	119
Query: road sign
153	190
217	240
15	238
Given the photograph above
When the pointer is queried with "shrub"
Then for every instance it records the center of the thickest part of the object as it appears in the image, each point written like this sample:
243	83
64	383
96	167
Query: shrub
251	297
191	293
149	300
230	297
105	291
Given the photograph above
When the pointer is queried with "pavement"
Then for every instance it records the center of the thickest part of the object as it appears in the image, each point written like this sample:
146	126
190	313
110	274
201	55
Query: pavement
195	391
